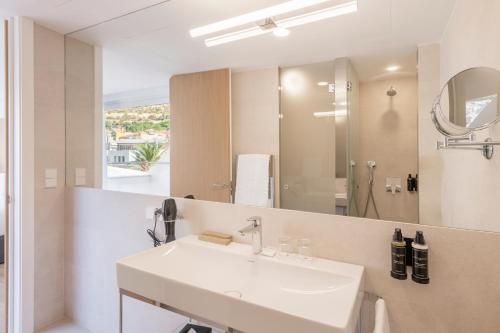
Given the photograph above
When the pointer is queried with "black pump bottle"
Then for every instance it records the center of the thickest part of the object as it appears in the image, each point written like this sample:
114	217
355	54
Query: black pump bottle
420	267
398	256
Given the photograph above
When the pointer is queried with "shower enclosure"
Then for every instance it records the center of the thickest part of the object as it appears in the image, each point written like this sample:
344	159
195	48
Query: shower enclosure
317	139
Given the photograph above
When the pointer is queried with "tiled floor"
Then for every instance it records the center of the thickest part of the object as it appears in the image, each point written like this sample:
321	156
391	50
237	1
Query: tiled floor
67	327
64	327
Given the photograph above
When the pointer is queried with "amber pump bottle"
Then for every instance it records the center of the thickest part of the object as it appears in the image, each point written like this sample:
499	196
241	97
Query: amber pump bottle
398	256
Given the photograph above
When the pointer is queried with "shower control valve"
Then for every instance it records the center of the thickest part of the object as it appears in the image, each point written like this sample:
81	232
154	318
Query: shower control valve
393	185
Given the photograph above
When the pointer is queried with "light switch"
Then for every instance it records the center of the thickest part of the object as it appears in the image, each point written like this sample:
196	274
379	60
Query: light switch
80	177
50	183
50	178
80	172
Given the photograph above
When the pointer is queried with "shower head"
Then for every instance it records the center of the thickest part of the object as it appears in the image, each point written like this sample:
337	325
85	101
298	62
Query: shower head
392	92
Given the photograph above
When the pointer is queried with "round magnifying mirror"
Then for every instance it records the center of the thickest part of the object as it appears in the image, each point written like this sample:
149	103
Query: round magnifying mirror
468	102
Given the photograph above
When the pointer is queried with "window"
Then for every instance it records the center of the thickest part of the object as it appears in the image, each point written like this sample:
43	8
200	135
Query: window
479	110
137	149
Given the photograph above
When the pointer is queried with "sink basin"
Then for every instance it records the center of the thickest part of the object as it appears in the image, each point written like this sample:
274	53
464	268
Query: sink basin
253	294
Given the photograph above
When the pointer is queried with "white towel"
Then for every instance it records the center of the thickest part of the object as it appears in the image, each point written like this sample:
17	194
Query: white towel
381	318
253	180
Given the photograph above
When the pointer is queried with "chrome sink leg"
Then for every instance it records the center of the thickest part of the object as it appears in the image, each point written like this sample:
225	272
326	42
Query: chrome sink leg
120	325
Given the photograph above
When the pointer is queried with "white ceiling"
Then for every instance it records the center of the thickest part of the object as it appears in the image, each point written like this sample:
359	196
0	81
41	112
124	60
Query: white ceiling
65	16
143	49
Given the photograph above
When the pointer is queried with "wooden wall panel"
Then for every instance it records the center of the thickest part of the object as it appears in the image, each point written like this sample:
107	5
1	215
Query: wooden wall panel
201	135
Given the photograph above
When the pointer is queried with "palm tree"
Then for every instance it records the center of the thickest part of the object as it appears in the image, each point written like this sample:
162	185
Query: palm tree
148	154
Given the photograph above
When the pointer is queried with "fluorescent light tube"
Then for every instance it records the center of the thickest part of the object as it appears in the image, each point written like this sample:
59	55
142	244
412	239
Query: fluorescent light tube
234	36
255	16
347	8
338	10
338	113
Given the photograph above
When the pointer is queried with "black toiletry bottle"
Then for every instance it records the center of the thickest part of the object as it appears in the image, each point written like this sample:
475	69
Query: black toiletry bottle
420	250
398	256
415	183
409	183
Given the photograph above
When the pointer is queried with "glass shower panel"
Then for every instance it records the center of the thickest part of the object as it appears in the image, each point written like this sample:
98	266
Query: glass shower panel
307	138
353	157
347	102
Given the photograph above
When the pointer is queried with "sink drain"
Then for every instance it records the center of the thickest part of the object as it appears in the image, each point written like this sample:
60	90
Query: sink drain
233	293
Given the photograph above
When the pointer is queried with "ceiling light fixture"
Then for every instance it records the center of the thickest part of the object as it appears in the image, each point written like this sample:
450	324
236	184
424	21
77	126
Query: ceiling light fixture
338	10
392	68
338	113
281	32
255	16
322	83
234	36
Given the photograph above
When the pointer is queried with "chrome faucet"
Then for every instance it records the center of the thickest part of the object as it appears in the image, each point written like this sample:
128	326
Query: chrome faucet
256	229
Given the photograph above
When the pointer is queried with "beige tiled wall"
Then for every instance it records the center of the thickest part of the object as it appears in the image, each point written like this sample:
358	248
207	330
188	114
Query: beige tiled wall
81	132
470	184
429	160
392	122
462	297
49	153
255	108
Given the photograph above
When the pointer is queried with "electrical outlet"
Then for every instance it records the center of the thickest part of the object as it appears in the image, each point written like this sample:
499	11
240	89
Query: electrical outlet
150	212
80	177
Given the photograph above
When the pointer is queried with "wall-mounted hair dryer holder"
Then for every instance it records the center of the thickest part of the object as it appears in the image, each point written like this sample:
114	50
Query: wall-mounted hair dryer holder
168	214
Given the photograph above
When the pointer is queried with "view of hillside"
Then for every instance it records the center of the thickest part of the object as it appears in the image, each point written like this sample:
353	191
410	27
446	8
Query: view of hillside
147	123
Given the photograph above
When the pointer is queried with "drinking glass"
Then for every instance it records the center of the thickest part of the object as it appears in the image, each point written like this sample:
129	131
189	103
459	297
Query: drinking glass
285	244
305	248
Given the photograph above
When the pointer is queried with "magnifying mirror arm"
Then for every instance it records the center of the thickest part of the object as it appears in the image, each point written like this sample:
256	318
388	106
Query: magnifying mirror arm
468	143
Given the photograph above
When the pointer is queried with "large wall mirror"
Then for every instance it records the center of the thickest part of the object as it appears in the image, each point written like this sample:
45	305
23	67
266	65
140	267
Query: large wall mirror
312	117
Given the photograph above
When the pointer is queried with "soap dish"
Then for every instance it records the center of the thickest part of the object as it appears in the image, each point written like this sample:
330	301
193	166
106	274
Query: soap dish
216	237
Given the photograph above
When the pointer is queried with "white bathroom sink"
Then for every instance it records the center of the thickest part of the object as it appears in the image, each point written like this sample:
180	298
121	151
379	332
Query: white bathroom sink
253	294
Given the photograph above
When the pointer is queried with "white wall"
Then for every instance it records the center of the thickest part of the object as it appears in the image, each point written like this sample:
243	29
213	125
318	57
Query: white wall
98	232
103	226
470	40
155	182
